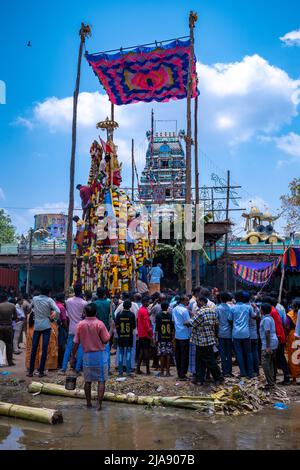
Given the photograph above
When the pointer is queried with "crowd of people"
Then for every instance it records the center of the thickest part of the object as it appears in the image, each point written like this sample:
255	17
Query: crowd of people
202	334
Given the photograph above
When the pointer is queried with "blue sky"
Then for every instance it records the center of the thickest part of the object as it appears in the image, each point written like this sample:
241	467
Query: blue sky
249	103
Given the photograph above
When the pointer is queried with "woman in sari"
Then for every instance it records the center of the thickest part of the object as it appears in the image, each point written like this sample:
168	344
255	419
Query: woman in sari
52	355
293	340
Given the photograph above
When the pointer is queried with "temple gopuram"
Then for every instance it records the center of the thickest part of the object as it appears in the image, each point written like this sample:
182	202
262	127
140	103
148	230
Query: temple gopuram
163	178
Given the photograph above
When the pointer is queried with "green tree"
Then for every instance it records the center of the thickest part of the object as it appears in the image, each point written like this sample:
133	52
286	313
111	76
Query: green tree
177	251
8	232
291	206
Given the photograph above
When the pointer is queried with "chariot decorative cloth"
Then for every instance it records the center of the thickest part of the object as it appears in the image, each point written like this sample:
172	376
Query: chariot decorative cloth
158	73
291	259
254	273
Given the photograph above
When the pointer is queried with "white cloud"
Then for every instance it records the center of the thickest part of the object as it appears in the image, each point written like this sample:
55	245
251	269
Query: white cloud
21	222
225	122
2	195
20	121
289	144
24	221
238	101
49	207
247	98
92	107
292	38
282	163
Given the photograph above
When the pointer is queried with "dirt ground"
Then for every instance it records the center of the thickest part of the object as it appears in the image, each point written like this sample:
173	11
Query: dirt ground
13	383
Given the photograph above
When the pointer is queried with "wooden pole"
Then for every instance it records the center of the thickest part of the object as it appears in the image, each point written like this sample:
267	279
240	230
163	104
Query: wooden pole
281	284
282	277
112	112
212	204
110	136
226	234
188	189
197	193
112	118
132	170
40	415
53	268
152	134
151	149
29	267
85	31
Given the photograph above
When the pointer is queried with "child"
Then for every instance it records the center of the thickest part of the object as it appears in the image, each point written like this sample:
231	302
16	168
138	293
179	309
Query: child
92	334
164	328
269	344
125	324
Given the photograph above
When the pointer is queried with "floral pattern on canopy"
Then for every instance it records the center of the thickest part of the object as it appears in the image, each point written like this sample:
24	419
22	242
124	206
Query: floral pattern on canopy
147	74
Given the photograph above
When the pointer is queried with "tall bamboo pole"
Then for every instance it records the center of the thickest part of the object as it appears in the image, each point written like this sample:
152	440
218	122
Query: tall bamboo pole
112	117
226	234
197	193
188	189
110	136
151	149
282	276
152	134
29	267
85	31
132	170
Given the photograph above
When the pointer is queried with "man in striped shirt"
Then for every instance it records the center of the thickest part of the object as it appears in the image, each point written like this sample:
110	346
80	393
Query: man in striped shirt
204	331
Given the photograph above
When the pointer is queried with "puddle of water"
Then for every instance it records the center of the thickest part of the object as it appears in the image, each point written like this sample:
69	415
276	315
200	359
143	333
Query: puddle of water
12	440
135	427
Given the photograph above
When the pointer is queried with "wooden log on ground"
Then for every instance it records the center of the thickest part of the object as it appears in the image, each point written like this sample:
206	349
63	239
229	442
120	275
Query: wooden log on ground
40	415
57	390
195	403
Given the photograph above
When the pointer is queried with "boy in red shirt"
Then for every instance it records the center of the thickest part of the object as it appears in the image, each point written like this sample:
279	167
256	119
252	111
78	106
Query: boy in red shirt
92	334
145	335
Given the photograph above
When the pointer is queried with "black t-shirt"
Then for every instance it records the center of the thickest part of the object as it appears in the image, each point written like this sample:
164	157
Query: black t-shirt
164	327
125	324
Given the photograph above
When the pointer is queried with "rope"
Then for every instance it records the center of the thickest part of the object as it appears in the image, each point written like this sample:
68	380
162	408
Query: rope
121	49
9	409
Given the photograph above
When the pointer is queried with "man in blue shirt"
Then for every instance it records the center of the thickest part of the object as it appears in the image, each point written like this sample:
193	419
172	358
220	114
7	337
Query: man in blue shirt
269	343
225	333
240	314
254	339
156	274
180	316
143	277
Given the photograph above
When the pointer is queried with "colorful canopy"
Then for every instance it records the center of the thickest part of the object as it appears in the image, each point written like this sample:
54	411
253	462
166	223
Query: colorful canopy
157	73
253	273
291	259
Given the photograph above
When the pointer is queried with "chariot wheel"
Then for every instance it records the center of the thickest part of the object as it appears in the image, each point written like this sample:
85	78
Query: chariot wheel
273	239
253	240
